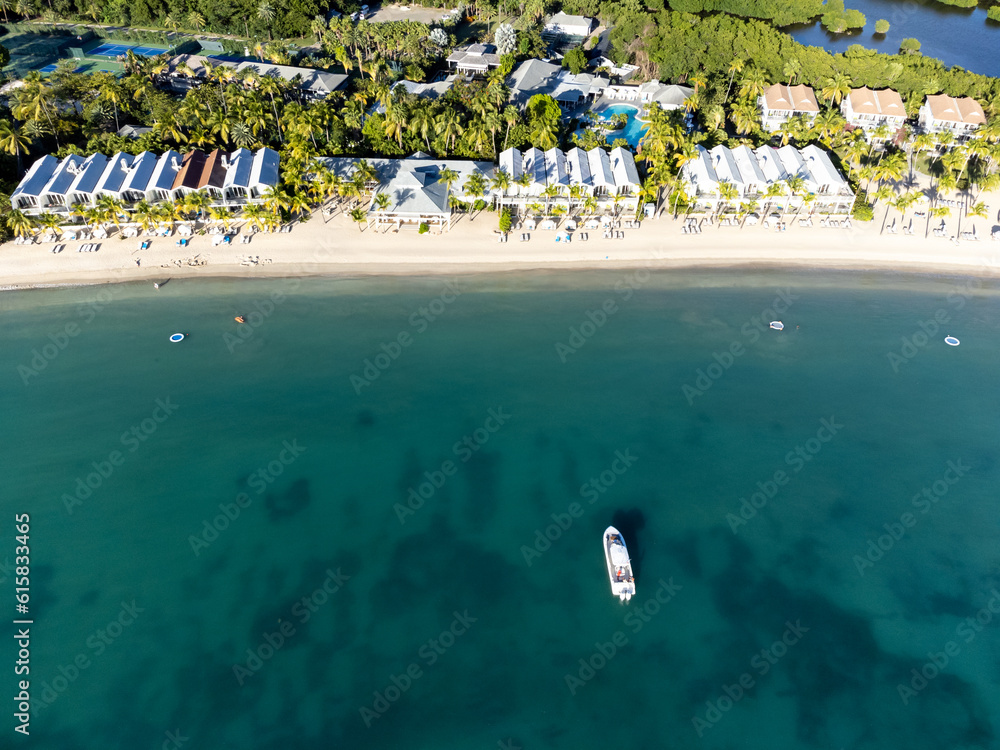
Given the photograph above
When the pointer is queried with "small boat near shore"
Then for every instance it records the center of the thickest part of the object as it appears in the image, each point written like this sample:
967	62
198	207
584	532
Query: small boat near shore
619	565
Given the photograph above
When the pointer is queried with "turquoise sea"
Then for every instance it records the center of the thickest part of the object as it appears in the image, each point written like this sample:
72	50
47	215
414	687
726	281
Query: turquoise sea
371	516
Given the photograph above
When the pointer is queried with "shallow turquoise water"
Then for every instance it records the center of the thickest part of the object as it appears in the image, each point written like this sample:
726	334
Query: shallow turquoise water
434	631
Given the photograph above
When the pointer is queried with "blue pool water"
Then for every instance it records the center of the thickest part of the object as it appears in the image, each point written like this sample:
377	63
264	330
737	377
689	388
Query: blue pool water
633	131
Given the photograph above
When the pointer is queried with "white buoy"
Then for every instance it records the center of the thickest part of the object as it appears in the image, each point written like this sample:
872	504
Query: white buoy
951	341
777	325
177	337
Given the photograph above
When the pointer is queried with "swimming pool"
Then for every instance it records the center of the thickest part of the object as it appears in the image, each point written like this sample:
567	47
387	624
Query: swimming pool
633	130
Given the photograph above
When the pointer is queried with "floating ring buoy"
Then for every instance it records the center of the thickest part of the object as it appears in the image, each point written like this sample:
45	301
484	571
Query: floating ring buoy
176	337
951	341
777	325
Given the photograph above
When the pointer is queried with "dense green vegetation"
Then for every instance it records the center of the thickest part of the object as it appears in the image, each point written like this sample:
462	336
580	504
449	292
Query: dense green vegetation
837	19
728	60
881	26
670	46
782	12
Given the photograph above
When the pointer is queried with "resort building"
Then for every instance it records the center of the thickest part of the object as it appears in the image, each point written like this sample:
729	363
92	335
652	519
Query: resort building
752	173
565	28
314	84
961	117
133	132
55	186
780	103
537	77
622	72
668	96
476	59
610	177
184	72
416	194
426	90
869	110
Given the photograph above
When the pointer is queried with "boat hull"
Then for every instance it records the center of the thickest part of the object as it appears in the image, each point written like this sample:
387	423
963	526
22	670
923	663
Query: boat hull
619	564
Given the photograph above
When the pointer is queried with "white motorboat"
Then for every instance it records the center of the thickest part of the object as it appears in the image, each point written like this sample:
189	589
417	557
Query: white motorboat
619	565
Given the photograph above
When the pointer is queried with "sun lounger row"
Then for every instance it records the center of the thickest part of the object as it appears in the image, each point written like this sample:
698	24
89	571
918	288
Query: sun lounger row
614	235
691	229
58	248
92	248
525	237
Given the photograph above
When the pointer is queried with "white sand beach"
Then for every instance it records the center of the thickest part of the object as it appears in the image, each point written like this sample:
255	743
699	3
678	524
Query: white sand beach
329	245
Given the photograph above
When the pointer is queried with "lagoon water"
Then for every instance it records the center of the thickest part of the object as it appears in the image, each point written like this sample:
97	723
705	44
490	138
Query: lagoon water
956	36
786	625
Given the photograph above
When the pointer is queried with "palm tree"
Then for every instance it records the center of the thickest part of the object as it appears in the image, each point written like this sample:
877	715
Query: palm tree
856	151
774	190
196	202
276	200
753	84
500	184
359	215
422	121
511	117
550	191
196	19
544	133
12	141
978	209
736	66
891	167
111	209
447	176
745	117
33	100
298	204
19	223
836	88
48	221
381	201
145	213
727	194
449	126
792	69
794	185
221	214
254	213
475	185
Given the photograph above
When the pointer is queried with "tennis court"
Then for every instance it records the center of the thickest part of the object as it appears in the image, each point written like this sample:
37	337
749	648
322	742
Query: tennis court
109	49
